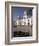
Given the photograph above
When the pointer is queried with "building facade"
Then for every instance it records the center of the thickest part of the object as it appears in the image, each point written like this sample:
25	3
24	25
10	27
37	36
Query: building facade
24	20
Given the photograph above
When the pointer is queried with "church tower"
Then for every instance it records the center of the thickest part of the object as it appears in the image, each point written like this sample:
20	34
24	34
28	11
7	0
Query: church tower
25	15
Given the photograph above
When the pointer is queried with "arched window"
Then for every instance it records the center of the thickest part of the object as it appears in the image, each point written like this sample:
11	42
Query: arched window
24	17
24	23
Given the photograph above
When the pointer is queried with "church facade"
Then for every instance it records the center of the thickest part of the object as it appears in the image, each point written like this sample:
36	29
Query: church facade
24	20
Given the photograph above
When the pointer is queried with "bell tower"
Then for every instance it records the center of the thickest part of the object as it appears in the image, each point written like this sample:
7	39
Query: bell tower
25	14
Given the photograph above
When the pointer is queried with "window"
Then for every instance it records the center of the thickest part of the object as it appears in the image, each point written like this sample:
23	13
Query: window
24	23
24	17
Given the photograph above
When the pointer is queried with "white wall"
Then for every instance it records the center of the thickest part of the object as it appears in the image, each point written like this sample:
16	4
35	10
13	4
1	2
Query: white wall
2	22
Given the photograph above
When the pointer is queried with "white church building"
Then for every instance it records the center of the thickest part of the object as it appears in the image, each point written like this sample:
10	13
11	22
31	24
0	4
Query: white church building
24	20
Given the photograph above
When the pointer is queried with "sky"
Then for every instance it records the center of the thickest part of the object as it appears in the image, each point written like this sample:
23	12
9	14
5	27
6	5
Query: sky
19	11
